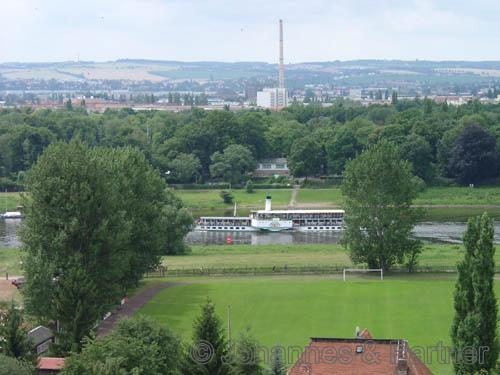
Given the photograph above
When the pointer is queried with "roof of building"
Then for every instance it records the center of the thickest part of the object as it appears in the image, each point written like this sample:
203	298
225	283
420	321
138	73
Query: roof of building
39	335
273	160
361	356
300	211
50	363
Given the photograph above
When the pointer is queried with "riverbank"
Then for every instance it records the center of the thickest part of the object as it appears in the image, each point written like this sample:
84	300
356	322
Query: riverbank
434	256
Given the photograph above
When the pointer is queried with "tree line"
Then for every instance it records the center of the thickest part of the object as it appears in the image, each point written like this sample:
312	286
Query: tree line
441	142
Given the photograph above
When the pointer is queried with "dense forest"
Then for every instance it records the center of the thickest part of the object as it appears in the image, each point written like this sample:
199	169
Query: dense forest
445	144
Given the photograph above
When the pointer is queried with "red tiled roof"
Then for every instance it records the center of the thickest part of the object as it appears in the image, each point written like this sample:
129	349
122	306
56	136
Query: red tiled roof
50	363
359	356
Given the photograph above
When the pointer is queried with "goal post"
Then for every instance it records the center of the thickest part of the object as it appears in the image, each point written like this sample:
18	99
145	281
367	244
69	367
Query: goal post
362	270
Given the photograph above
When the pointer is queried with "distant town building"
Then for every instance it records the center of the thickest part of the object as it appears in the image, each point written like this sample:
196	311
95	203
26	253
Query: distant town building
272	98
272	168
350	356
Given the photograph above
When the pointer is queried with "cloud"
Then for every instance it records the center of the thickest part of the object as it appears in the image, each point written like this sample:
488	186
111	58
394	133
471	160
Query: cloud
47	30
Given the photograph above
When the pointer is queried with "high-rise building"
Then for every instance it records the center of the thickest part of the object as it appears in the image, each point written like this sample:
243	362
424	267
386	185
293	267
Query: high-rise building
275	98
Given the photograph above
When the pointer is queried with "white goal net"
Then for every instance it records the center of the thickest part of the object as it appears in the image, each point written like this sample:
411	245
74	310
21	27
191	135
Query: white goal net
362	270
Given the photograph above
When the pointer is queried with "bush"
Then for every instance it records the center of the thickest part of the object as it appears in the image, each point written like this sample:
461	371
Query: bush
10	366
226	196
249	187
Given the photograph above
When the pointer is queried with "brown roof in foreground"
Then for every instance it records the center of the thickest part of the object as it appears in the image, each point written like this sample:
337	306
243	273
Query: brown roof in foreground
50	363
358	356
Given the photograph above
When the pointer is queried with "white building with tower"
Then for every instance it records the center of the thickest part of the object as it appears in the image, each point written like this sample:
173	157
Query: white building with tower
277	97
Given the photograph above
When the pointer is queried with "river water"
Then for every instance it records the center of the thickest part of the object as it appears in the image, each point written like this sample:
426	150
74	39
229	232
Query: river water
429	232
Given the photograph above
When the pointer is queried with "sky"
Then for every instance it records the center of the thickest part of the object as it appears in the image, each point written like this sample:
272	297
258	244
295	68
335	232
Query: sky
242	30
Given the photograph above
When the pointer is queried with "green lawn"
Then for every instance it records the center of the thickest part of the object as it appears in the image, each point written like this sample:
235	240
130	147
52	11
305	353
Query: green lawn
460	196
290	310
11	200
200	199
431	196
328	196
241	256
10	262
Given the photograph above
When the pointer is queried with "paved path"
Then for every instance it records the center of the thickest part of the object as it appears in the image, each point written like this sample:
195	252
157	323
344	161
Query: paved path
293	197
132	305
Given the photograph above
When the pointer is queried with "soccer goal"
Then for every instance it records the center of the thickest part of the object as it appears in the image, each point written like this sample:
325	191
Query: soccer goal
362	270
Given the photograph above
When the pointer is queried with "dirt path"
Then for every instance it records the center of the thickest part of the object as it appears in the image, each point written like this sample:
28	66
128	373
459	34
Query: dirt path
132	305
293	197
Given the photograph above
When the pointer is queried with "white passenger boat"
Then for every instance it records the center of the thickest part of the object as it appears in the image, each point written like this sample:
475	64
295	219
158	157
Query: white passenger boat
11	215
276	220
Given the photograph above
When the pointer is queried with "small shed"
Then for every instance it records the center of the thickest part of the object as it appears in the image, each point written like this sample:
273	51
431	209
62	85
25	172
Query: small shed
41	337
49	365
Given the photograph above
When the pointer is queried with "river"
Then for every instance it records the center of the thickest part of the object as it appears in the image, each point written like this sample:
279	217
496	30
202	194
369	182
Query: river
449	232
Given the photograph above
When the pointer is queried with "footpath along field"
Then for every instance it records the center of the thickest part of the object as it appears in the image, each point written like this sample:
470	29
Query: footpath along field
289	310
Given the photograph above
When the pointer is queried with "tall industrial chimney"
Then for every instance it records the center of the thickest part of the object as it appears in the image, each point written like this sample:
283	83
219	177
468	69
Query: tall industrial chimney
281	80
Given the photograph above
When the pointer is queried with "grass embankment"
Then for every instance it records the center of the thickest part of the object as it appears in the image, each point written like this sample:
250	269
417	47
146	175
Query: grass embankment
10	261
434	256
442	196
287	311
203	199
9	200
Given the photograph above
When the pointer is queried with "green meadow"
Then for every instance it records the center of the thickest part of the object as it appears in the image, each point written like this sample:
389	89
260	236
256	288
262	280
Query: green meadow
288	311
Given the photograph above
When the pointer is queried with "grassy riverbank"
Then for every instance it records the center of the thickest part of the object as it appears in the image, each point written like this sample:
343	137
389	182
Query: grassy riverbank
9	200
257	256
438	256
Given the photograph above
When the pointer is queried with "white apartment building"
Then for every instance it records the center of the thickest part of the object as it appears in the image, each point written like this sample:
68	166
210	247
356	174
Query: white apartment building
272	98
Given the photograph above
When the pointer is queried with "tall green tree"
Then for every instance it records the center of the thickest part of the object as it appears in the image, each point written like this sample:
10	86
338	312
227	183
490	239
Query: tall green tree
474	157
475	322
233	164
379	189
304	158
96	220
209	352
185	167
278	366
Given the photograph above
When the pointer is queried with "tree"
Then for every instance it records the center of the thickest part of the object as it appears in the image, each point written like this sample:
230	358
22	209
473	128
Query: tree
278	364
474	157
475	321
233	164
246	360
185	167
343	147
96	220
379	190
136	346
417	150
13	336
304	158
10	366
208	354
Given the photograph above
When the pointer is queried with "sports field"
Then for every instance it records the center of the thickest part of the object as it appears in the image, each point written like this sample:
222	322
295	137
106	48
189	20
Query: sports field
287	311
